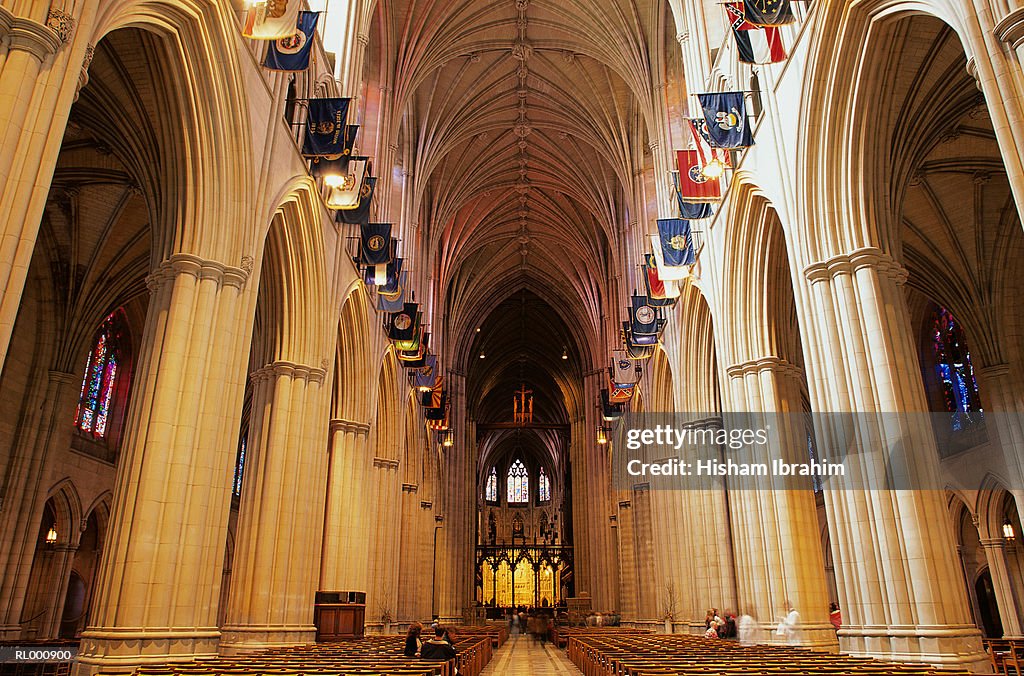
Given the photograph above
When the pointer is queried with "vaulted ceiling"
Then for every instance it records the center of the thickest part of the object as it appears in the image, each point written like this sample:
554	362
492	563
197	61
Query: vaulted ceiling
525	124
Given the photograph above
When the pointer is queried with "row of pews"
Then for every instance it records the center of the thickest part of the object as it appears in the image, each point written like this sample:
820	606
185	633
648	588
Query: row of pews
369	656
1006	655
631	653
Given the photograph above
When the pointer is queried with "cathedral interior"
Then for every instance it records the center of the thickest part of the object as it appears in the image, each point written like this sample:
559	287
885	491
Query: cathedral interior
224	397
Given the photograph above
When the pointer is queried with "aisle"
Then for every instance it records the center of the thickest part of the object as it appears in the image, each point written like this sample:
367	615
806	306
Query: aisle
522	656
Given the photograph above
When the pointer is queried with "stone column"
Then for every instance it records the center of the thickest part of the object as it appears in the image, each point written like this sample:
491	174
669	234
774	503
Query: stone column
456	550
38	80
276	568
1006	599
157	592
1004	421
776	542
45	428
899	584
628	581
384	545
344	565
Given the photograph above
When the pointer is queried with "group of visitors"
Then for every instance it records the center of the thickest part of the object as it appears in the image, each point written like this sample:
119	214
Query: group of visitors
717	626
748	631
437	648
603	619
538	622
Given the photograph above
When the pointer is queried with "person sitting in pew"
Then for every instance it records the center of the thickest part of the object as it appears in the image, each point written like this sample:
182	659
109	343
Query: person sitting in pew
437	648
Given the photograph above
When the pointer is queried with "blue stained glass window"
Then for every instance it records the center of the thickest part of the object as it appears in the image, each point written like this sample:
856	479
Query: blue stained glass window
491	491
955	371
518	483
543	486
240	466
99	382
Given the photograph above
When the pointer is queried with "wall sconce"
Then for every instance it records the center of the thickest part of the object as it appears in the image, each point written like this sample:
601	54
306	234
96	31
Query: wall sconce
602	435
1008	530
565	353
51	535
446	439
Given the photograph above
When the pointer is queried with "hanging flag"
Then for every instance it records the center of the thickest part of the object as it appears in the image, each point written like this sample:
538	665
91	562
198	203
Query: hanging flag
768	12
622	371
347	186
392	277
642	317
361	214
638	352
325	128
387	304
619	394
660	293
410	347
375	244
667	273
271	19
693	183
292	53
755	44
692	210
425	378
402	325
726	117
438	412
676	242
610	410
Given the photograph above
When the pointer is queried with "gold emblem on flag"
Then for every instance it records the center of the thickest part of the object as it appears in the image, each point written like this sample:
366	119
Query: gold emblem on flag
376	243
678	242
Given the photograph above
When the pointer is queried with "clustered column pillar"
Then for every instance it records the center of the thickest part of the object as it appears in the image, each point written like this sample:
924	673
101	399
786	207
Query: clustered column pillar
896	569
348	514
276	568
1006	599
455	557
158	588
776	540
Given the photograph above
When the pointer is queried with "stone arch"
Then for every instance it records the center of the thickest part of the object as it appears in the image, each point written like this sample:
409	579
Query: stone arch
354	370
213	151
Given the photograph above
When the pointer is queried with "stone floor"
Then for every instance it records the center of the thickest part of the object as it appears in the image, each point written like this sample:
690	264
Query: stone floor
522	656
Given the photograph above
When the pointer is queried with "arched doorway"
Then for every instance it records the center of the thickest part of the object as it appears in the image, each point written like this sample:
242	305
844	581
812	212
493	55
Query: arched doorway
988	610
74	607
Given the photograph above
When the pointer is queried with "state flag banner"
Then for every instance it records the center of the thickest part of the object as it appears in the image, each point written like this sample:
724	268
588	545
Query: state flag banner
768	12
402	325
643	318
395	303
693	211
413	342
361	214
375	244
348	187
754	44
425	377
660	293
726	117
620	394
622	370
610	410
292	53
694	185
392	276
676	242
326	132
271	19
666	273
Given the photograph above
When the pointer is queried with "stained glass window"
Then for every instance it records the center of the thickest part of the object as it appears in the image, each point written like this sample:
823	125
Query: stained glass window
491	491
543	486
518	483
955	371
99	382
240	466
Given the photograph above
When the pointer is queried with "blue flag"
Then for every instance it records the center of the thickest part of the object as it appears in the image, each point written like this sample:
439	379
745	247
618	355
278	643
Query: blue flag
375	244
292	53
726	117
768	12
394	271
426	376
676	242
326	133
643	318
693	210
392	302
361	214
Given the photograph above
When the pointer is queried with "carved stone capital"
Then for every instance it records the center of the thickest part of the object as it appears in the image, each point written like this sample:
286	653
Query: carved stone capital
38	40
1010	28
61	23
762	365
291	370
851	263
201	269
342	425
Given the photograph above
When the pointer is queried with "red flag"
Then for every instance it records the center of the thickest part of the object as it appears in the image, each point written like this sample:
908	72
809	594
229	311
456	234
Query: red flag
620	393
693	184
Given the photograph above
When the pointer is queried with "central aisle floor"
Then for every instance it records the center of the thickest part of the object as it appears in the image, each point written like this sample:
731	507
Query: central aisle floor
522	656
